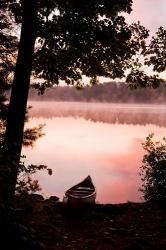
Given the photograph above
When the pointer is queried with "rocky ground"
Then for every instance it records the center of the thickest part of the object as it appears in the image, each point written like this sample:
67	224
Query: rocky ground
46	224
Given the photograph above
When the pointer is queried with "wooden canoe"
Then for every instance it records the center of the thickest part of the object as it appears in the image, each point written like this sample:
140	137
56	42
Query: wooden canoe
83	193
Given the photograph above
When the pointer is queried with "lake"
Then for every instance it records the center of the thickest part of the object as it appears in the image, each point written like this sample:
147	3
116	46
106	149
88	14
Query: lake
98	139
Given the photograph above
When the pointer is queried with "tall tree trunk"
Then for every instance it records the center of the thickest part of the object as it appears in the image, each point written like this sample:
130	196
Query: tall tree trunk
18	102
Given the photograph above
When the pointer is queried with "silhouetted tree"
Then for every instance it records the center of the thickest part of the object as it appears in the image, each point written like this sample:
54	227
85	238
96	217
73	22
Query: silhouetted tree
156	53
73	38
153	170
8	49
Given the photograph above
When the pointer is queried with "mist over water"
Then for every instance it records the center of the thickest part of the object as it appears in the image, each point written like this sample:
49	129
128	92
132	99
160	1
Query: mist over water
141	114
103	140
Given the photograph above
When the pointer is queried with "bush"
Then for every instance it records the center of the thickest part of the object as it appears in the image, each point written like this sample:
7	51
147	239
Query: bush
153	170
25	182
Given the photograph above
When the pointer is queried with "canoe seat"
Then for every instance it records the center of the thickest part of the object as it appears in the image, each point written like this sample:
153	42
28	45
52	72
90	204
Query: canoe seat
85	188
79	194
82	192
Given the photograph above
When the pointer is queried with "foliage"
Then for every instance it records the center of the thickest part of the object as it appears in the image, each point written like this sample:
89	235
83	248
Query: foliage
139	79
32	134
152	54
153	170
156	53
25	182
8	48
90	38
93	39
105	45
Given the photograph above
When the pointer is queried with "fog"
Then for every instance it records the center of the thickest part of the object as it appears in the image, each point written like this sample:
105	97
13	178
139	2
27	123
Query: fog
140	114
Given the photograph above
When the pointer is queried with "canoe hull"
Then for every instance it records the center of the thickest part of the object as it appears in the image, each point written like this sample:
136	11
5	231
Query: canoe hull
82	194
74	201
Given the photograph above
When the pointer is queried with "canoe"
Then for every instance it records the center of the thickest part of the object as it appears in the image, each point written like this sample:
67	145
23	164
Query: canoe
83	193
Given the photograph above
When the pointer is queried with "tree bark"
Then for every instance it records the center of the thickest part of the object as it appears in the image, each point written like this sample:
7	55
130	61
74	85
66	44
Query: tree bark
18	102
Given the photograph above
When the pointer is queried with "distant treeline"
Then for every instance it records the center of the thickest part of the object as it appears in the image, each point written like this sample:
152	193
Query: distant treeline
107	92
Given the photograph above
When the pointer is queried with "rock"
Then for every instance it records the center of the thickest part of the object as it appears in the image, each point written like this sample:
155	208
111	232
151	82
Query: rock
53	198
19	212
108	240
139	244
113	229
48	209
142	242
37	197
134	246
163	243
108	209
106	233
50	204
29	200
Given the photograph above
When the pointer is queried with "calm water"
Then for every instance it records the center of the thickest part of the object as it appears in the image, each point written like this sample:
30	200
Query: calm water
103	140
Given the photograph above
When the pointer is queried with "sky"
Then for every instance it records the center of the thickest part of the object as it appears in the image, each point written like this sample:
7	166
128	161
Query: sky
151	13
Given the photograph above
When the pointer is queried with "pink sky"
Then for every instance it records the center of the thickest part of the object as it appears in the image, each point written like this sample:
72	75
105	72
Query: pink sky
151	13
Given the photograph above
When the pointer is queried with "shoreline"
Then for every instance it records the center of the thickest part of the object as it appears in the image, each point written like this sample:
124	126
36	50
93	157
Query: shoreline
129	226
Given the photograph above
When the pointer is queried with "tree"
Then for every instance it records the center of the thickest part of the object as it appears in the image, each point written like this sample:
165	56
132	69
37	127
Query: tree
8	48
156	53
14	131
153	170
72	39
8	44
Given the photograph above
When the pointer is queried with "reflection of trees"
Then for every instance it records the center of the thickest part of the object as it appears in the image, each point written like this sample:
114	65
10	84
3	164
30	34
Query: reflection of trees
102	113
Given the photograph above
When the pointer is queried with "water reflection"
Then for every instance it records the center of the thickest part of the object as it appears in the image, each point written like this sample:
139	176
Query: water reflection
108	113
74	148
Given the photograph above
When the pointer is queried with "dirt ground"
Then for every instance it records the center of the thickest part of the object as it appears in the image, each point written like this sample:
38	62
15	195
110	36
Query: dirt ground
130	226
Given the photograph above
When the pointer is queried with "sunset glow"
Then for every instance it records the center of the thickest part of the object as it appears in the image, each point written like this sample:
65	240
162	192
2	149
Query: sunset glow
151	13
